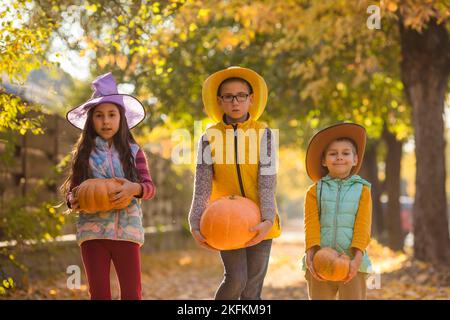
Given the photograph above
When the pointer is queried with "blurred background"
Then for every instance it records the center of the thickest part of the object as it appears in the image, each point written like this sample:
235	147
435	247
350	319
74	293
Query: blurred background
382	64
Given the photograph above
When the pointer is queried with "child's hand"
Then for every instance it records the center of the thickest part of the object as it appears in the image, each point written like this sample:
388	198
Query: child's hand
201	241
262	228
74	206
127	191
354	266
309	262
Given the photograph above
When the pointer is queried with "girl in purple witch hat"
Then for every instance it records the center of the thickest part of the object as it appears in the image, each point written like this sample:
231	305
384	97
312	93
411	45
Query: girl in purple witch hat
106	149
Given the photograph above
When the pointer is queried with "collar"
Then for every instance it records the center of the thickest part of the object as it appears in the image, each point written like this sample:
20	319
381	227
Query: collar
103	145
349	180
242	124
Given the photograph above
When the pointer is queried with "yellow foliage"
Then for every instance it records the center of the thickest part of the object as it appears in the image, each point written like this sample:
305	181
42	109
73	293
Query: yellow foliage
91	7
384	259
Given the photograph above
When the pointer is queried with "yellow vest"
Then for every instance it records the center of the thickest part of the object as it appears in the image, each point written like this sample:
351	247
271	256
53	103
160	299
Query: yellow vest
240	177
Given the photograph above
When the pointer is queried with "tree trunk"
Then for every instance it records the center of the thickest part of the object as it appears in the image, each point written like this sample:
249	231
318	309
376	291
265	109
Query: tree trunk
369	171
24	179
425	69
392	183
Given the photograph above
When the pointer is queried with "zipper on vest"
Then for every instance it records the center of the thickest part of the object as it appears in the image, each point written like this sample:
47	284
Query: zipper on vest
336	213
116	218
238	169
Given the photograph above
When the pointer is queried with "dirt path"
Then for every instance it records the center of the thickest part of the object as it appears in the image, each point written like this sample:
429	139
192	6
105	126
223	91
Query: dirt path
196	274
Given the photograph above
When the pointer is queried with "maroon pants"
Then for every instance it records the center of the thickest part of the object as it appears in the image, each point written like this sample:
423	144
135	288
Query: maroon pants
97	256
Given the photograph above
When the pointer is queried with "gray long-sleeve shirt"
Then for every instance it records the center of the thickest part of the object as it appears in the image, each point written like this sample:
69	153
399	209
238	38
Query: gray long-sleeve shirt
267	180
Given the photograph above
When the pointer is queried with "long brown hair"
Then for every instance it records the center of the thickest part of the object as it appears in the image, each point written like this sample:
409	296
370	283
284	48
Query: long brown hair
80	169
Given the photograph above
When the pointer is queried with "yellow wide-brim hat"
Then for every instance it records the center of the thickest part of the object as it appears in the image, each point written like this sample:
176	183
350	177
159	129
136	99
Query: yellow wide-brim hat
212	83
320	141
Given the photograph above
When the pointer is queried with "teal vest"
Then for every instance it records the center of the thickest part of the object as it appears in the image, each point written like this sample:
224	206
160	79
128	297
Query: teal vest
338	202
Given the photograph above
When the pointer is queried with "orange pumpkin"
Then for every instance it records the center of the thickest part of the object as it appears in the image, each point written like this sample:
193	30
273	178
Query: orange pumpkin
331	265
93	195
226	222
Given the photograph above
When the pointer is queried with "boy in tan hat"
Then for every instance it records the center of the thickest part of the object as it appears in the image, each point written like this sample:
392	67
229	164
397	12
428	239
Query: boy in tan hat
338	209
235	98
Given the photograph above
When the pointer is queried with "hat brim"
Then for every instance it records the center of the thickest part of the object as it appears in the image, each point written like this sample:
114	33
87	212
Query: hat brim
212	83
134	110
323	138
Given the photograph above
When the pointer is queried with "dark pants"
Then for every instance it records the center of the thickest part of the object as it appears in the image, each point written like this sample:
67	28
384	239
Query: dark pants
97	256
245	270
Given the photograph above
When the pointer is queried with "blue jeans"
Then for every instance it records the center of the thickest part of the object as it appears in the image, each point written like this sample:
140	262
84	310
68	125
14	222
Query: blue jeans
245	270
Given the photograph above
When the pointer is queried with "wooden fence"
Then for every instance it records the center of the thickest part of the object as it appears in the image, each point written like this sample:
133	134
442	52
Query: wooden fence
32	173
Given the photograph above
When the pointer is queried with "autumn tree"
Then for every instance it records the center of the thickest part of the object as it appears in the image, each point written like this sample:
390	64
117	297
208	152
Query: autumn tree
321	60
425	68
24	39
326	36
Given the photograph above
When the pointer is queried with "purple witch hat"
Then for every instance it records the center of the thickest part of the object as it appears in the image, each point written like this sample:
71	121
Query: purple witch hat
105	91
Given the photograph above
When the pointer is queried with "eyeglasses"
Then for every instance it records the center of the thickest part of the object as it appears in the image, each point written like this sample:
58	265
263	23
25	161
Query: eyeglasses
241	97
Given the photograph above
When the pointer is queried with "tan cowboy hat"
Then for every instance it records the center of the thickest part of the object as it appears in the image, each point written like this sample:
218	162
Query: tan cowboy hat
320	141
212	83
